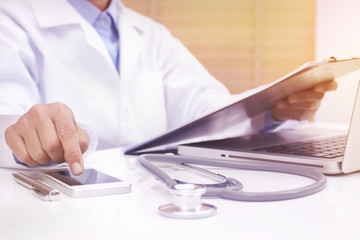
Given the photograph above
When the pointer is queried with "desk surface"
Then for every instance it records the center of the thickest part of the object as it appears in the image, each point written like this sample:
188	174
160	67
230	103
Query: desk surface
330	214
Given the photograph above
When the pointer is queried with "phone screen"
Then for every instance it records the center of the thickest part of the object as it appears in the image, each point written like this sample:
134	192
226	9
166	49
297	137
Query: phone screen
89	176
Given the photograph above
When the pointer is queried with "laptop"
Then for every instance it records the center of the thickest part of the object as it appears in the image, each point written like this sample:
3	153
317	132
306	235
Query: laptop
226	118
328	150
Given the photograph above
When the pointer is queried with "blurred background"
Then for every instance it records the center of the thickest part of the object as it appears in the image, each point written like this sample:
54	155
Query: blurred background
247	43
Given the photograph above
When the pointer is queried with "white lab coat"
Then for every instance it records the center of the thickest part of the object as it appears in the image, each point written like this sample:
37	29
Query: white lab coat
49	53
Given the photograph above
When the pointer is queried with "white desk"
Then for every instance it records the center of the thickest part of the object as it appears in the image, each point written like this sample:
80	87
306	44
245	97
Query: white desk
333	213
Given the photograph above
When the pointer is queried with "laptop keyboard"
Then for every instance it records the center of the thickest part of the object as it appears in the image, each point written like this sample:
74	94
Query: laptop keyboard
321	148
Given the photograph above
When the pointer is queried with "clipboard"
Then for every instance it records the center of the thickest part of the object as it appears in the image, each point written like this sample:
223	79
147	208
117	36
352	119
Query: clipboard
302	78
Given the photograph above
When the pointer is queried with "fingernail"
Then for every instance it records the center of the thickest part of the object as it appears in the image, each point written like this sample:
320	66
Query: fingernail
292	99
76	168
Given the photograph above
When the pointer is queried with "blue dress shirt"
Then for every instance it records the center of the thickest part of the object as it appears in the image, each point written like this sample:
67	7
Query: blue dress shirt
105	23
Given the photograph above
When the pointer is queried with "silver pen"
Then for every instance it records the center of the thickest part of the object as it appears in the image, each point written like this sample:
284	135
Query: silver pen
38	188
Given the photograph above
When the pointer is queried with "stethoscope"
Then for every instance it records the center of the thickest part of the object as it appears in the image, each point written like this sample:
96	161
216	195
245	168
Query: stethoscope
187	196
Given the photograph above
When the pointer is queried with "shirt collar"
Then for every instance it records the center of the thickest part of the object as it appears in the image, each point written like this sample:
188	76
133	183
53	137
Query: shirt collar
113	10
88	11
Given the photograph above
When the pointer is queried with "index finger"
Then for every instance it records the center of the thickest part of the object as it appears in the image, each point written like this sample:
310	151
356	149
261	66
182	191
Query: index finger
326	86
66	130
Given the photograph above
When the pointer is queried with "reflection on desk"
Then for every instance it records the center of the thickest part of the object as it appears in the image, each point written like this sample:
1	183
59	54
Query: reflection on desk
330	214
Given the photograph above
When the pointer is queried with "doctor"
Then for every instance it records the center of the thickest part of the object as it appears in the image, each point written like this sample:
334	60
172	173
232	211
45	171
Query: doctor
78	75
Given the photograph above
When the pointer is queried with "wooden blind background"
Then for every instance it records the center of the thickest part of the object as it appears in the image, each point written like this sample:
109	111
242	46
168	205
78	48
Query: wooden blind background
243	43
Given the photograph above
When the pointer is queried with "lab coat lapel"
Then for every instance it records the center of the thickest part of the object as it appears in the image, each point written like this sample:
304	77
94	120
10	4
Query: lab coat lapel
131	44
94	40
56	13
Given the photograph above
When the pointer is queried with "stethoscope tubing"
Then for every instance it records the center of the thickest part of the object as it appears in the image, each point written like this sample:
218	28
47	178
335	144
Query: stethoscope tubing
320	180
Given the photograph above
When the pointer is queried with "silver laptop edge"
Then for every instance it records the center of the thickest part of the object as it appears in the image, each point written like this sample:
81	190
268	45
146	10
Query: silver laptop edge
346	164
351	162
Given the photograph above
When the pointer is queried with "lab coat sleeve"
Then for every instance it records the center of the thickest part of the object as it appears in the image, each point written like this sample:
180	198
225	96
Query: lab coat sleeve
20	88
190	91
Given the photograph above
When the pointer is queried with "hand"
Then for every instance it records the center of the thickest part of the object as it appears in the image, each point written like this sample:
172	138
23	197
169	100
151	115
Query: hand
302	105
48	133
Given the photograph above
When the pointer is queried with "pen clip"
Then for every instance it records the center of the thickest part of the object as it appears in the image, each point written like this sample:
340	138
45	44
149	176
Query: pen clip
54	195
37	187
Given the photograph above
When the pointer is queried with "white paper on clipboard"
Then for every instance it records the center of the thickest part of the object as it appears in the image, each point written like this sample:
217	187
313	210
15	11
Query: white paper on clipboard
302	78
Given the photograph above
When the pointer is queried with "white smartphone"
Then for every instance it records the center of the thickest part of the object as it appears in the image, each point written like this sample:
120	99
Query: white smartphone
90	183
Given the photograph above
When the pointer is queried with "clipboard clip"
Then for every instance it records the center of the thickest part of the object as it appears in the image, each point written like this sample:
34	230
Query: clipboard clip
332	59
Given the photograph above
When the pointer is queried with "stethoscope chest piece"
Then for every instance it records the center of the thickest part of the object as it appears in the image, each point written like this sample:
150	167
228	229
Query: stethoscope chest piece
187	203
